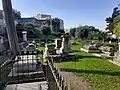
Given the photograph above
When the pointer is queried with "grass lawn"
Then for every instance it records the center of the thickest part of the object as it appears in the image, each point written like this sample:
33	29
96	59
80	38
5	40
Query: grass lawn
102	74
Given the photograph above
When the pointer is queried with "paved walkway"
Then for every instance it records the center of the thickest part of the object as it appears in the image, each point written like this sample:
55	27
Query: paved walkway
76	83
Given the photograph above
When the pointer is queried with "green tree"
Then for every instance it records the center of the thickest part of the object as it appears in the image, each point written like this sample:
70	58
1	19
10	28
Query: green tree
56	24
83	31
116	23
33	32
117	30
110	20
46	31
72	32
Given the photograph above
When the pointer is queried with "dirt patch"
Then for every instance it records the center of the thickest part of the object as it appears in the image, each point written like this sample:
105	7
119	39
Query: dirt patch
76	83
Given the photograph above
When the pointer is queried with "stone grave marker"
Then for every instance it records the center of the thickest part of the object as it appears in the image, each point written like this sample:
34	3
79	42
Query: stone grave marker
65	48
58	43
92	47
49	50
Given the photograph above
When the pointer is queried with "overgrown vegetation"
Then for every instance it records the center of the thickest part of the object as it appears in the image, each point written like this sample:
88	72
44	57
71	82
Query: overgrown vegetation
86	32
102	74
114	22
34	32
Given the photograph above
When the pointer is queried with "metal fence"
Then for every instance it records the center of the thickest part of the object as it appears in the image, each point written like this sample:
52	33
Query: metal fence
26	67
60	82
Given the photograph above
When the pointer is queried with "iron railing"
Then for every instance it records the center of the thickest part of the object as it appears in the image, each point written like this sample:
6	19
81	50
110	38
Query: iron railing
26	67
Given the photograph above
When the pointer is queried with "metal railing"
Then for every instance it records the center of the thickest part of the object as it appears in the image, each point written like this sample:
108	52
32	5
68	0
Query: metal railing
60	82
26	67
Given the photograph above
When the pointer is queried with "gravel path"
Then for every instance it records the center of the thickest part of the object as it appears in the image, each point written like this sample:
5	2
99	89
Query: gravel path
76	83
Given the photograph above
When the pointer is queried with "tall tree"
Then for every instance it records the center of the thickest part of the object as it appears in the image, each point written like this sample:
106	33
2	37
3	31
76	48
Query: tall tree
83	31
72	32
46	31
56	24
110	20
116	23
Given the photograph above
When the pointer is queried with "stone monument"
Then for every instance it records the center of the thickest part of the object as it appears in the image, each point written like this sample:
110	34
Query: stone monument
24	35
49	50
60	50
65	48
58	43
24	44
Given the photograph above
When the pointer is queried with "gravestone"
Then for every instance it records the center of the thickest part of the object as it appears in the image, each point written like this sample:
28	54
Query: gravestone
42	44
49	50
65	48
24	44
92	47
58	43
107	51
31	47
24	35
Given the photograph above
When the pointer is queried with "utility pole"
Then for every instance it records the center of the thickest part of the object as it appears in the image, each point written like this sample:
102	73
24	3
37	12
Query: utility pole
11	31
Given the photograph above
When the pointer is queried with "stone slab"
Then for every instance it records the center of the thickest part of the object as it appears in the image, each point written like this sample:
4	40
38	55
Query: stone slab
90	51
28	86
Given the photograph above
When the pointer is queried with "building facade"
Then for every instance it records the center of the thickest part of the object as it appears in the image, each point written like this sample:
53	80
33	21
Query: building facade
38	22
27	20
42	16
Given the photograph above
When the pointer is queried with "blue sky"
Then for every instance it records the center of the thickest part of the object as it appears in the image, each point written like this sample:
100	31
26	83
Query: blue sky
73	12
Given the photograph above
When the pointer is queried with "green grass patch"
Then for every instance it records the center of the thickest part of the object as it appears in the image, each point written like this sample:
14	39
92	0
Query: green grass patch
41	48
102	74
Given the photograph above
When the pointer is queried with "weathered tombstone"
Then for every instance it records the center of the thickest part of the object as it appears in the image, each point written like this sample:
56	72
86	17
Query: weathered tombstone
92	47
65	48
107	51
58	43
24	35
45	55
31	47
49	50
